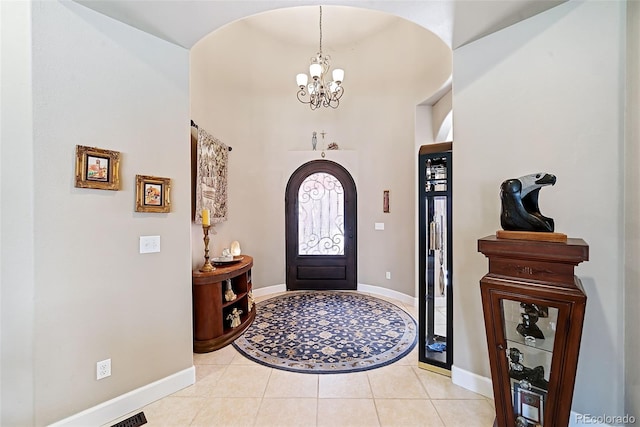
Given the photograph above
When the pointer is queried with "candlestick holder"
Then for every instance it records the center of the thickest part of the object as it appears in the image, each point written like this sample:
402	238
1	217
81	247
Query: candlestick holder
207	264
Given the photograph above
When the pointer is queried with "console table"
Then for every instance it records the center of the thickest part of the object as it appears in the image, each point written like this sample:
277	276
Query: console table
212	313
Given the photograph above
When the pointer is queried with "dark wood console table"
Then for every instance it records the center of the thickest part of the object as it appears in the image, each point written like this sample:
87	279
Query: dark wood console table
211	312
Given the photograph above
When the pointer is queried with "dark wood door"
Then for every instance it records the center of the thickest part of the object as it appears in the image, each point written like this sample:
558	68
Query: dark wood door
321	226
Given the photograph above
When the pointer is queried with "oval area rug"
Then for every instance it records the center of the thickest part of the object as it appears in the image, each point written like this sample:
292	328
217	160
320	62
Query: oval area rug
327	332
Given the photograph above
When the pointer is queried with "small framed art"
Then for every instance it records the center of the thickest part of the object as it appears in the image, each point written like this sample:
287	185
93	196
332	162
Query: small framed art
97	168
528	404
153	194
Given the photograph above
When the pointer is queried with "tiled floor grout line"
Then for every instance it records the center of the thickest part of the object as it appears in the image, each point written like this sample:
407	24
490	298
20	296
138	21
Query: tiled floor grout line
439	415
375	405
373	397
195	415
318	400
264	393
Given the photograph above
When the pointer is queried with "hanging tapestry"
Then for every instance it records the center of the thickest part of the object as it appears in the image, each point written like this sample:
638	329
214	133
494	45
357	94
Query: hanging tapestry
211	177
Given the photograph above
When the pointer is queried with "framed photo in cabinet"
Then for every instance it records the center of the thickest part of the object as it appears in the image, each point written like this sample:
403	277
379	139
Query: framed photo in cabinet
528	404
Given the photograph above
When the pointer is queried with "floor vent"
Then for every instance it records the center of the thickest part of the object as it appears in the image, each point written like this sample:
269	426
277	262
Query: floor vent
133	421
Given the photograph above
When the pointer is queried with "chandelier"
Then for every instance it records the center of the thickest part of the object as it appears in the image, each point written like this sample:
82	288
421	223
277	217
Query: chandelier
320	93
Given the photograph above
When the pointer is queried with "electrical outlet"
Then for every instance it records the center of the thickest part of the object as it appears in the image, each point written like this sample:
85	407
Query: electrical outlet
388	275
103	369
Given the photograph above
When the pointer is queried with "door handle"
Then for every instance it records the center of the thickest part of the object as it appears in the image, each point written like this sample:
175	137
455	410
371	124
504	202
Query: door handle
435	236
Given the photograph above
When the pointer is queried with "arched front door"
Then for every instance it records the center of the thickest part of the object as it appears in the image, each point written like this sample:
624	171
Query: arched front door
321	208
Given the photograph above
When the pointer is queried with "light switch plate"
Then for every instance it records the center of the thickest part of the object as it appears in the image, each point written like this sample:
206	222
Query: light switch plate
149	244
379	225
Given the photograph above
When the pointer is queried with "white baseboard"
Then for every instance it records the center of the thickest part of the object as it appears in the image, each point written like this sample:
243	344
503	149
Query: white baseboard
275	289
131	401
390	293
404	298
470	381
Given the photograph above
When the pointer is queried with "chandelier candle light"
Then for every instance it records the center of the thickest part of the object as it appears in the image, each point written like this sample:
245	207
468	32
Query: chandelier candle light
319	93
206	224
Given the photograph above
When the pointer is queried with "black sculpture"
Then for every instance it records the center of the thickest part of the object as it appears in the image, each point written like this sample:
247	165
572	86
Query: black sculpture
520	372
539	310
520	211
528	327
530	315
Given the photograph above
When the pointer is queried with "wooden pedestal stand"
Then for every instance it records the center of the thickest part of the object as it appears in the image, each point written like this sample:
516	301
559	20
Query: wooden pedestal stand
531	290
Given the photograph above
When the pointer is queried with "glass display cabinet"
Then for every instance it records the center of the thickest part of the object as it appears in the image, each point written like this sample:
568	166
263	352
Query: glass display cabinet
533	308
435	306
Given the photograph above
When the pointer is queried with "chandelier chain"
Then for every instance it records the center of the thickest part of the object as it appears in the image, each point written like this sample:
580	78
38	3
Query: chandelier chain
320	29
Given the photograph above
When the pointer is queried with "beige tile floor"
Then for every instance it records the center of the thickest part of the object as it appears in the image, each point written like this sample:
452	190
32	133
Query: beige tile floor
231	390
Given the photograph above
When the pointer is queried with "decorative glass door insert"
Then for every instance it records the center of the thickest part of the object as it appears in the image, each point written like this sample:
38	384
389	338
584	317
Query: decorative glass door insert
321	215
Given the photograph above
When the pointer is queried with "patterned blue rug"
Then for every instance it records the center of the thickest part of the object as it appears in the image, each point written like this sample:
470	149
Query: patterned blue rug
327	332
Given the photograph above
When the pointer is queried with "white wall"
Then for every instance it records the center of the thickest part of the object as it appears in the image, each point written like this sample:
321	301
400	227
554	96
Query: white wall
632	214
79	290
546	95
243	91
16	217
443	117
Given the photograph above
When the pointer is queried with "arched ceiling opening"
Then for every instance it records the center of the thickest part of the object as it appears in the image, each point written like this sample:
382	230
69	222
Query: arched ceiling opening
454	22
184	22
380	53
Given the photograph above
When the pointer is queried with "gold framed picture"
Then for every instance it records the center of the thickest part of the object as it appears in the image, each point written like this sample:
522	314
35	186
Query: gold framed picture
97	168
153	194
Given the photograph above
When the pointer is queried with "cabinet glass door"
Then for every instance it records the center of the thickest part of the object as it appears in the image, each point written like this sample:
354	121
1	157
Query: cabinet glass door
530	331
436	280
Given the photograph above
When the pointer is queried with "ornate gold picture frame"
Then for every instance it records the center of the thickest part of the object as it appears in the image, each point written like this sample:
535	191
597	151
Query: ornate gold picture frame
97	168
153	194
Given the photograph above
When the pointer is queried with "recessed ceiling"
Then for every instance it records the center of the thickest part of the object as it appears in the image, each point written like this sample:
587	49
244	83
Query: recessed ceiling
264	52
340	25
185	22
